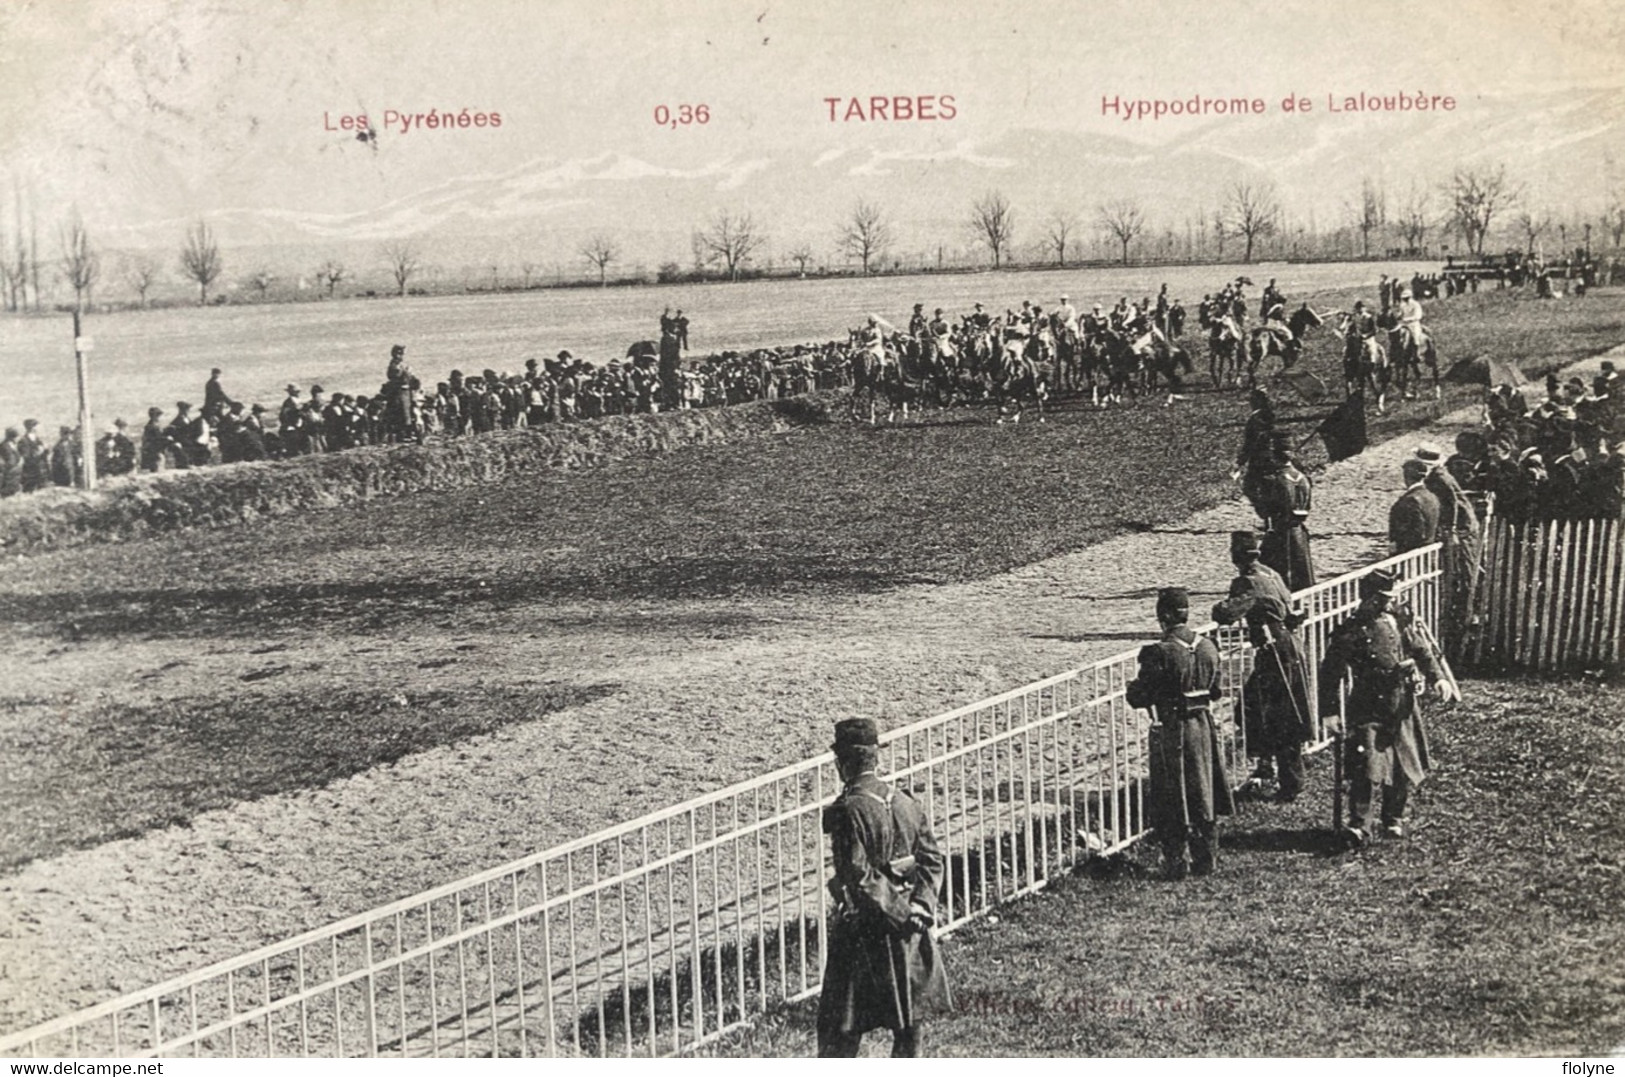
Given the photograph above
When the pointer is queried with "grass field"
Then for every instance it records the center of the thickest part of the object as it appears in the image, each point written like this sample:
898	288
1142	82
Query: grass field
573	649
1496	927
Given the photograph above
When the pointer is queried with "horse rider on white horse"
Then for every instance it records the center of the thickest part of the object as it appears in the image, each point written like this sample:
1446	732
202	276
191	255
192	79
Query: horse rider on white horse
1066	315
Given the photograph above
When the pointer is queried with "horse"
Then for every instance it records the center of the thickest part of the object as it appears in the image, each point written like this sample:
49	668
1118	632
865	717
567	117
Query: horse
1224	346
1267	342
1365	365
1409	355
1022	375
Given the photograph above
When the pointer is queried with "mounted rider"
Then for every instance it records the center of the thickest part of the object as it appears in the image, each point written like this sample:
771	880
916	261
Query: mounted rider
979	319
1360	327
917	324
1412	334
1066	315
941	335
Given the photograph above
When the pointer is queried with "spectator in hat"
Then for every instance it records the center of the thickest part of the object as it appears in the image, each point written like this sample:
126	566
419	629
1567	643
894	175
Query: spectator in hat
1178	680
36	458
215	401
291	424
154	442
1276	717
11	463
1251	571
115	452
1459	531
1413	521
1282	497
65	464
1385	650
883	969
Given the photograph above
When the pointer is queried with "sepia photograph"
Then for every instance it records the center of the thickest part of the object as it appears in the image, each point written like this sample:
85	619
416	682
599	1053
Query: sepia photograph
739	529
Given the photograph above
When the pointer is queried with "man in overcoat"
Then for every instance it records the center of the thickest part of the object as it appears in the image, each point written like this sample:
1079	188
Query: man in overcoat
883	969
1413	521
1178	680
1283	500
1275	703
1391	659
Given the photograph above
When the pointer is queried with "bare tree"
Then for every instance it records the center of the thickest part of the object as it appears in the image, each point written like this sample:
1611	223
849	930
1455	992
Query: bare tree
729	239
801	254
994	224
200	259
81	264
331	273
1412	219
600	250
140	273
1123	219
1371	214
1476	195
404	264
529	270
1060	226
1253	212
1221	231
865	234
261	280
1531	226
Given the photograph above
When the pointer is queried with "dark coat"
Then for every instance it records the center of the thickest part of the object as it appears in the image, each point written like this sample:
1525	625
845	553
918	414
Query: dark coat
1383	718
1283	502
1413	522
11	469
881	973
1179	679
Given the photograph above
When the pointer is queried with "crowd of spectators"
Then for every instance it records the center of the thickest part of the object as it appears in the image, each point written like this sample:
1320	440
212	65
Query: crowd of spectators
563	389
1563	458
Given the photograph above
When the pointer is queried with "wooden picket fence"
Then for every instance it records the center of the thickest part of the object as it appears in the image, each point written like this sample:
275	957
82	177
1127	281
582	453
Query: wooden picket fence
1551	595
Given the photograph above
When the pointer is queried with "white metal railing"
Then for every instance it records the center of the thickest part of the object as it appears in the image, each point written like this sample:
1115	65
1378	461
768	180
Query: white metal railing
661	934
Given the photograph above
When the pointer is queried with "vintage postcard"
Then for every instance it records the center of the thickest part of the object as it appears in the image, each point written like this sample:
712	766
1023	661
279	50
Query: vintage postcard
760	529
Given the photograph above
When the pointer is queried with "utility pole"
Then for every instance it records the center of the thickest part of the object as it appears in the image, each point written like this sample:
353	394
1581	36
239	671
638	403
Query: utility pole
87	438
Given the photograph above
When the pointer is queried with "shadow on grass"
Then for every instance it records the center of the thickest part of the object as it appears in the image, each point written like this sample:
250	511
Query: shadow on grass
1317	840
113	771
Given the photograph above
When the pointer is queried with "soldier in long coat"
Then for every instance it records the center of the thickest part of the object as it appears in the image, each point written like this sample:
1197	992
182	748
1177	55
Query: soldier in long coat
1275	702
1386	752
1178	680
1459	531
1413	521
1283	500
884	970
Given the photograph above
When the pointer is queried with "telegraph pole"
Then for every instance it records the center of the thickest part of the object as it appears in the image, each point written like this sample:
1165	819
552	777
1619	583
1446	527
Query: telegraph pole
87	437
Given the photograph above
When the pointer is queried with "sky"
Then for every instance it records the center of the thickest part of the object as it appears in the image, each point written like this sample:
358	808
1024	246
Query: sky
143	114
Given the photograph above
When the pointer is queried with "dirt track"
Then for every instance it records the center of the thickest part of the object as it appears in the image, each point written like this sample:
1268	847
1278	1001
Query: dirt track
81	927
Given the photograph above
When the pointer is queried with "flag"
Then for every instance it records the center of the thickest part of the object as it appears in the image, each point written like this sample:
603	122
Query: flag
1343	430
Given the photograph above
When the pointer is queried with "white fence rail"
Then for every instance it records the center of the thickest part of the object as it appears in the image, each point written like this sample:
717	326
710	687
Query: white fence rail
664	933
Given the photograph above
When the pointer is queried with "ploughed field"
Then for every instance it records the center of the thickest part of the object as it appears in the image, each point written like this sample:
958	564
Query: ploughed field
259	730
140	359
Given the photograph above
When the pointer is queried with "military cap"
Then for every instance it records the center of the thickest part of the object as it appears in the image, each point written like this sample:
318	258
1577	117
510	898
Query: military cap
120	423
565	357
293	390
181	405
257	408
1429	453
153	413
1379	581
314	389
1173	600
856	733
215	372
398	349
1243	542
29	424
1414	470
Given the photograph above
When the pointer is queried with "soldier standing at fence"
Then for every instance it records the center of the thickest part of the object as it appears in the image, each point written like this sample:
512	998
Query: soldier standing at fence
1458	530
1387	652
1283	498
884	970
1275	712
1413	522
1179	679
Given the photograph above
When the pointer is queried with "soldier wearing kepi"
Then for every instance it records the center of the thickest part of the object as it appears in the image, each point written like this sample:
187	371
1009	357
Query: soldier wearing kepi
1388	652
1283	500
1179	679
1275	712
883	970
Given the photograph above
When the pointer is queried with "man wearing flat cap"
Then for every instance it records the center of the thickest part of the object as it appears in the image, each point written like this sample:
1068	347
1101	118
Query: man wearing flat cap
1178	680
1276	717
1390	658
883	969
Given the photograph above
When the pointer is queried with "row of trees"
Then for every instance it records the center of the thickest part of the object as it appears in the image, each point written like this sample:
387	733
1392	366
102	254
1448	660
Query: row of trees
1469	206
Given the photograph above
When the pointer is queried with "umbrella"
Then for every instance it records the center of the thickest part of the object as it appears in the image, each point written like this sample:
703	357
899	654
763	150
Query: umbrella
1306	385
1484	370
